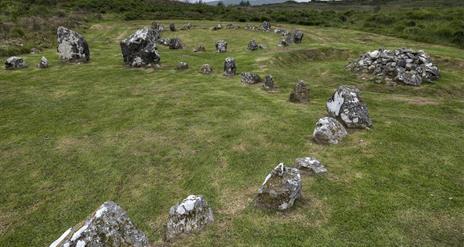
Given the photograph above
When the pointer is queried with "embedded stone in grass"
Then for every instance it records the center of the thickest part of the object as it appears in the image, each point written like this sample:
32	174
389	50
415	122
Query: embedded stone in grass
139	49
221	46
298	37
280	188
172	27
348	107
284	43
72	47
109	225
310	163
232	26
300	93
191	215
187	26
217	27
266	26
253	45
250	78
200	48
230	68
175	44
182	66
12	63
329	131
269	83
43	64
206	69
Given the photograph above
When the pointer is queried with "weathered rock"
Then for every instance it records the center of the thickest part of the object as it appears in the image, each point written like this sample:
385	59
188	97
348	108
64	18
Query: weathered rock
266	26
200	48
72	46
402	65
191	215
300	93
108	226
253	45
187	26
250	78
139	49
15	63
206	69
157	27
329	131
230	68
43	64
217	27
221	46
311	164
172	27
280	188
232	26
182	66
164	42
251	27
280	31
284	43
175	44
298	37
269	83
348	107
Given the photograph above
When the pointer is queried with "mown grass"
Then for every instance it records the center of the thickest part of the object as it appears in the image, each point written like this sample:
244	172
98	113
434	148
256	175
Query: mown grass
74	136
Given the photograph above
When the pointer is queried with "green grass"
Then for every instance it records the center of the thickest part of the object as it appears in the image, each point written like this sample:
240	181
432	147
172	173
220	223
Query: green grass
74	136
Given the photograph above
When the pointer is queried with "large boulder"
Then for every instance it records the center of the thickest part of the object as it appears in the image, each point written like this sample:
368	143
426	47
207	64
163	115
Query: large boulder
175	44
280	188
329	131
72	47
139	49
230	68
107	226
191	215
300	93
347	106
298	37
250	78
221	46
310	163
15	63
206	69
43	64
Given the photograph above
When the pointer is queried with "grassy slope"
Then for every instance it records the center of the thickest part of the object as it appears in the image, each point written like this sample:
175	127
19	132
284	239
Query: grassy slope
74	136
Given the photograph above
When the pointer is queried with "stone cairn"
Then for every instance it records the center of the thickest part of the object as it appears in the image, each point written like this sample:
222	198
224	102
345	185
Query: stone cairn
347	106
269	83
221	46
172	27
12	63
43	63
402	65
175	44
250	78
280	188
139	49
311	164
191	215
300	93
109	225
329	131
72	47
230	68
206	69
182	66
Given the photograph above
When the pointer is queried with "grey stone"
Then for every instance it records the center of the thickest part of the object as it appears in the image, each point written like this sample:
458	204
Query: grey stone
139	49
182	66
300	93
72	47
253	45
269	83
175	44
158	27
187	26
109	225
250	78
189	216
280	189
217	27
348	107
329	131
172	27
206	69
310	163
43	64
230	68
12	63
221	46
200	48
298	37
266	26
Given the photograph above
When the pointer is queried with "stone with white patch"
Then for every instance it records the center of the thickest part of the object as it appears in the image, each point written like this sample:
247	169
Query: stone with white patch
139	49
230	68
12	63
43	64
221	46
310	163
72	47
329	131
348	107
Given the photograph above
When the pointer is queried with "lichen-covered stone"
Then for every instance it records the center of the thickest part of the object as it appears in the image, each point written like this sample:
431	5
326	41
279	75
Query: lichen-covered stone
250	78
221	46
300	93
348	107
191	215
43	64
109	225
72	47
310	163
266	26
139	49
206	69
12	63
217	27
230	68
329	131
280	188
253	45
269	83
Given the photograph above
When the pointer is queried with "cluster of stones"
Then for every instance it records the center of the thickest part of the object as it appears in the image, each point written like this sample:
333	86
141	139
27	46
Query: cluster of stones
402	65
289	37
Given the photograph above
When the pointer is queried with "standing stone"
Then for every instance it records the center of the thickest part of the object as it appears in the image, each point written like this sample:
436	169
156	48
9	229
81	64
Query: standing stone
249	78
310	163
12	63
230	69
269	83
266	26
221	46
72	46
139	49
191	215
43	64
200	48
175	44
206	69
347	106
300	93
182	66
280	188
253	46
329	131
172	27
298	37
107	226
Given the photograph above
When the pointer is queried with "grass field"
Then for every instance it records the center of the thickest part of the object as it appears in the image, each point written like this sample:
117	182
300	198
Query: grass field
74	136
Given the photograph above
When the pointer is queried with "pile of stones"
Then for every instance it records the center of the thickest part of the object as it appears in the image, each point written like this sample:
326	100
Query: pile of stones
403	65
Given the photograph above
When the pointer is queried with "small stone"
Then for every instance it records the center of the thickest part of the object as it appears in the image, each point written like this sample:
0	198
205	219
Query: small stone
230	68
13	63
43	64
172	27
329	131
348	107
298	37
200	48
157	27
206	69
72	47
175	44
249	78
310	163
221	46
300	93
187	26
182	66
217	27
269	83
266	26
253	45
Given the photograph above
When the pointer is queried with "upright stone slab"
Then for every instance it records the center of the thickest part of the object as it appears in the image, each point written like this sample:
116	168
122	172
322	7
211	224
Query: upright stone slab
191	215
172	27
72	47
43	64
329	131
139	49
109	225
266	26
12	63
230	68
348	107
300	93
269	83
221	46
298	37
